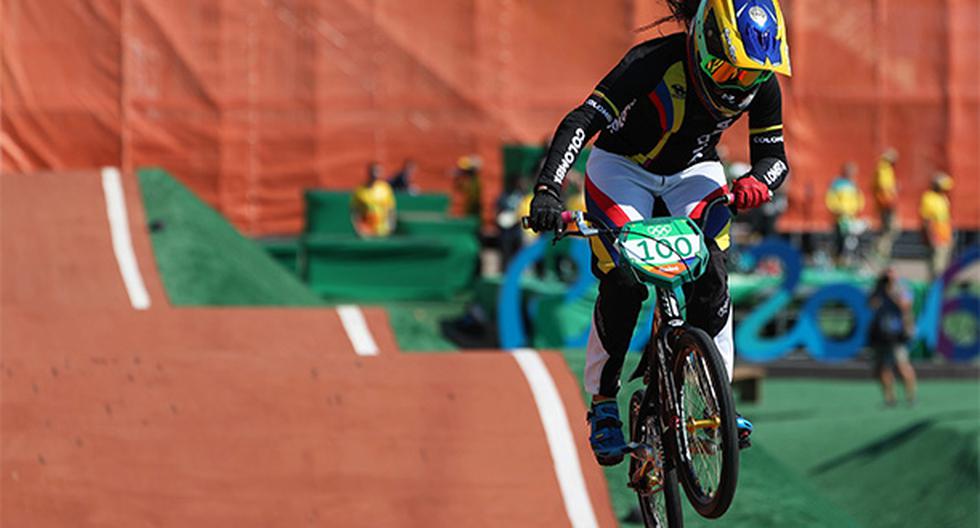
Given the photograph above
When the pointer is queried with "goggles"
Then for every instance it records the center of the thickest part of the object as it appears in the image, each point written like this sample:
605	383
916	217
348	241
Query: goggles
725	75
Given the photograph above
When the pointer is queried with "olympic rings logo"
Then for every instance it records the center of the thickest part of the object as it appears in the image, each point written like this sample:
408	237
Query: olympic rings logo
660	231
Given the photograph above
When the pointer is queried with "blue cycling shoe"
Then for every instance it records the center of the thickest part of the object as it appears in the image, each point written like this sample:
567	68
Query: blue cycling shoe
606	439
744	431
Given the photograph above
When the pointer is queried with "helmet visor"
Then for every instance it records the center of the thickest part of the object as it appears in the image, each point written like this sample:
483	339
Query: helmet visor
725	75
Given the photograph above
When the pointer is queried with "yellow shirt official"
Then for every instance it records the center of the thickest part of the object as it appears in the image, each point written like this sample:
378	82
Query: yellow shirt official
886	189
372	209
844	199
935	213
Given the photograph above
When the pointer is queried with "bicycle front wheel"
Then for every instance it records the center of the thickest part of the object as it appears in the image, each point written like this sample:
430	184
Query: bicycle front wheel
654	481
707	438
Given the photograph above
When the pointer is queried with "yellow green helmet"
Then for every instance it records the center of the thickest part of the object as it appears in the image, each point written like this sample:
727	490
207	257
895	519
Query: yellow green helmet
740	44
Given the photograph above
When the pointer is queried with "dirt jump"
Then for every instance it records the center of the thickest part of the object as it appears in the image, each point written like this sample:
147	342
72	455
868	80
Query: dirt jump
120	410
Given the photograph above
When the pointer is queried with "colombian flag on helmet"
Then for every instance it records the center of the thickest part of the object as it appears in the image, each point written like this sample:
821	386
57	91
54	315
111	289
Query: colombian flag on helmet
741	43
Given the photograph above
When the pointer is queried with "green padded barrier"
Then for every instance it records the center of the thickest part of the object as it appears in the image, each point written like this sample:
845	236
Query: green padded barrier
422	202
487	288
745	287
328	212
555	321
284	250
558	321
435	224
396	268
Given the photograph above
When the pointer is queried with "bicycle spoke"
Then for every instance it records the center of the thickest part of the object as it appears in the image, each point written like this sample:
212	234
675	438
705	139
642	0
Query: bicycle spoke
701	422
705	431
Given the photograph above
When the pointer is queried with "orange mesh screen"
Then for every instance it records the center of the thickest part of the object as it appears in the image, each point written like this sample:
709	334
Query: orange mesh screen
251	101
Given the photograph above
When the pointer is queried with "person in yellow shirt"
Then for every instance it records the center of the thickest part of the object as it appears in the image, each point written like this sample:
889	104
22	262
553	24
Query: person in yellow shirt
937	224
373	206
845	201
469	189
886	198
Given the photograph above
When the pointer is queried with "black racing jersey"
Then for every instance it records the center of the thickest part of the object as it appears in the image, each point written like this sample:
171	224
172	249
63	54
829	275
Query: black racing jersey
650	109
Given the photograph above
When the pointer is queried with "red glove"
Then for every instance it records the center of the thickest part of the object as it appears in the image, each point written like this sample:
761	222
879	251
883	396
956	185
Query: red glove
750	193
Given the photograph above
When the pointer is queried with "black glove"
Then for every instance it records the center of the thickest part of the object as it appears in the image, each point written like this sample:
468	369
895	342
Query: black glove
546	208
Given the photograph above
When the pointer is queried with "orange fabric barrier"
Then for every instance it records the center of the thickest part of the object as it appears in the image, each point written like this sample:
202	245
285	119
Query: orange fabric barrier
250	101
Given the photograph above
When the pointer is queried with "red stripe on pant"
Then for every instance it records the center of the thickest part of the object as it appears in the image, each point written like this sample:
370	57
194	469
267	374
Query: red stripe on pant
610	208
699	208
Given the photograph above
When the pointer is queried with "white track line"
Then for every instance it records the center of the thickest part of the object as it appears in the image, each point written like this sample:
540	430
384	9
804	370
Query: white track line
559	434
122	243
357	330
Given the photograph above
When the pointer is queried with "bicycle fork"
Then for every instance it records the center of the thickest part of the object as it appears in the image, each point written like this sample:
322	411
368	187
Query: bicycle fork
659	402
660	399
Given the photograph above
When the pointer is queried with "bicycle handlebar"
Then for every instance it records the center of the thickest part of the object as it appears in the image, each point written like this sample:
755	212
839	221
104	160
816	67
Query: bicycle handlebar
578	217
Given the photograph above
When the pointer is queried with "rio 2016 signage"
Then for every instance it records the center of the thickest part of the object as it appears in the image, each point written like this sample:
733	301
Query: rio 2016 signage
750	344
808	334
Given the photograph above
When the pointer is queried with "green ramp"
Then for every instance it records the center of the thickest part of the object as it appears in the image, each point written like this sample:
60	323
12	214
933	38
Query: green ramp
887	467
203	260
927	465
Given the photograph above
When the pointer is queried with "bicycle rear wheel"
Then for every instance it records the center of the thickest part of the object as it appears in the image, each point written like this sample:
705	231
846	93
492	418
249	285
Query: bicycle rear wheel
707	437
656	490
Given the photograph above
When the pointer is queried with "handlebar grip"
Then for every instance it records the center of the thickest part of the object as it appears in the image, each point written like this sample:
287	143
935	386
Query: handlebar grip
567	217
730	201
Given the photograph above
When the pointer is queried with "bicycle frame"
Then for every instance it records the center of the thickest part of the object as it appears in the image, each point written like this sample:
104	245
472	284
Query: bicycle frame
660	396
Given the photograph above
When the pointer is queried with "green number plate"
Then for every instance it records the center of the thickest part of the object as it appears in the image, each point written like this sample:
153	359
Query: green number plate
666	251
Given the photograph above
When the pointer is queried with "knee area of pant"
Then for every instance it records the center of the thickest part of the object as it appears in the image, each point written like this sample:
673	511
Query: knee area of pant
621	285
708	300
711	316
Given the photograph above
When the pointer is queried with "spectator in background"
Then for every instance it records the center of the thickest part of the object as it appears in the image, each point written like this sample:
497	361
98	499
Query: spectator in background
466	181
937	224
373	205
404	180
886	198
891	328
845	201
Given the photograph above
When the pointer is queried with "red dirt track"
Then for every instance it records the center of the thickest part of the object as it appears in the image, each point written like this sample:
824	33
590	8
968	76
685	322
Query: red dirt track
241	417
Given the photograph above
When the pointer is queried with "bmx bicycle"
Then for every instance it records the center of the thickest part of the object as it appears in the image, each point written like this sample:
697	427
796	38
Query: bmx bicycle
682	422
